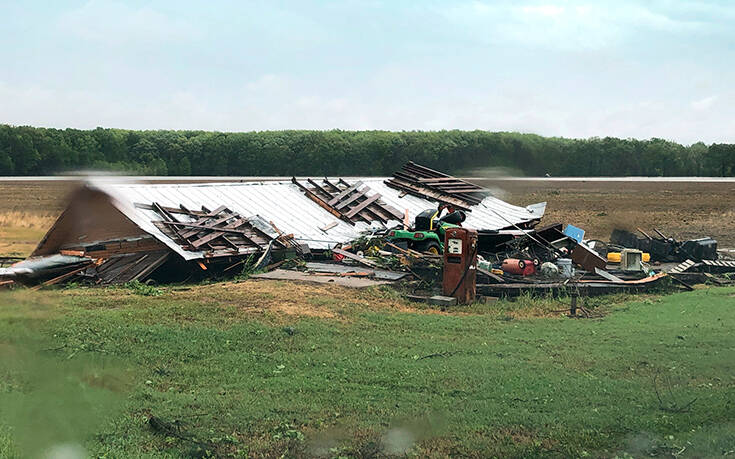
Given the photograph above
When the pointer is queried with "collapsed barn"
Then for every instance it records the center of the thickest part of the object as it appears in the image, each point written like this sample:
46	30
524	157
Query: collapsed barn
119	232
428	230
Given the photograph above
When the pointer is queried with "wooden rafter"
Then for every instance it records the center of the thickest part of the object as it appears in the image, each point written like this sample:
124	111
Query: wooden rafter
430	184
218	232
349	202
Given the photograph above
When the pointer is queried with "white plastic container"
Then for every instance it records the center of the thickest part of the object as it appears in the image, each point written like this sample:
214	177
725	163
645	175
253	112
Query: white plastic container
566	269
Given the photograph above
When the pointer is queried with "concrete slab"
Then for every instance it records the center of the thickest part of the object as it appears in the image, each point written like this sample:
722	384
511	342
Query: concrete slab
290	275
440	300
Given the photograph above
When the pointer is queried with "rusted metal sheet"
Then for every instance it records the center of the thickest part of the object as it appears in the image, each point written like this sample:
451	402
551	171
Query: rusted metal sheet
587	259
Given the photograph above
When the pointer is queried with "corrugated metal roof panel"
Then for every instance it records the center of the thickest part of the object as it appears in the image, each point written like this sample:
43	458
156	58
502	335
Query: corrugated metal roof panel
288	208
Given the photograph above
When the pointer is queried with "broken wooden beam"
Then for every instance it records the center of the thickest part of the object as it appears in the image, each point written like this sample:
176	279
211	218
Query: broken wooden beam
356	258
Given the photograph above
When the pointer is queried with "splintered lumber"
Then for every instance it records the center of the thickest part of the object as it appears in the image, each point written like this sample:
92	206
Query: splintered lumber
217	233
682	283
430	184
683	266
328	226
209	227
130	267
63	277
340	268
355	196
413	253
322	203
356	258
363	205
350	203
427	193
344	193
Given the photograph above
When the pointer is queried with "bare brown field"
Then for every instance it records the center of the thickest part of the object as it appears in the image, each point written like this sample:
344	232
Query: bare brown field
681	209
27	211
35	197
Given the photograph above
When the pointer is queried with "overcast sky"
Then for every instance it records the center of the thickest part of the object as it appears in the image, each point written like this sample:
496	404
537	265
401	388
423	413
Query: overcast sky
564	68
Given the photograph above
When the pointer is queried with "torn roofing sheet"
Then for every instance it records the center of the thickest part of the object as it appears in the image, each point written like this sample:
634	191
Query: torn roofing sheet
292	212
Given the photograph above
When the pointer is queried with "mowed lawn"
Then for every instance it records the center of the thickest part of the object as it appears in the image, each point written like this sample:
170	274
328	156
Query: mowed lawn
284	370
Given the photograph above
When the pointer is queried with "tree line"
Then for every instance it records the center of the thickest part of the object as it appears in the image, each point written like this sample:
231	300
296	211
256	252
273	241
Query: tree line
26	150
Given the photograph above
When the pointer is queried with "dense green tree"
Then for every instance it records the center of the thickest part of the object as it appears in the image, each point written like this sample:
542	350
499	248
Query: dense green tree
720	159
24	155
28	151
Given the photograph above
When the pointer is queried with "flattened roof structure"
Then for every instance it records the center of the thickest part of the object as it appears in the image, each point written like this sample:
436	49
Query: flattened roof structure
292	212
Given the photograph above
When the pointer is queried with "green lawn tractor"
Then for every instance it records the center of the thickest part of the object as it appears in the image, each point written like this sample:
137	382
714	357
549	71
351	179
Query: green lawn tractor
427	234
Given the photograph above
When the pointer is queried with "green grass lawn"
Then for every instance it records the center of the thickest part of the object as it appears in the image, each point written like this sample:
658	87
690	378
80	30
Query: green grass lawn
232	373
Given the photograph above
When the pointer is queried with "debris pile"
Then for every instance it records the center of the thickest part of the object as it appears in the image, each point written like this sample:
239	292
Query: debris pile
425	229
114	233
665	249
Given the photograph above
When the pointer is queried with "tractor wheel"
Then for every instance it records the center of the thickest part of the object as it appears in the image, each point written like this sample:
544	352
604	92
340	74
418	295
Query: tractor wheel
432	247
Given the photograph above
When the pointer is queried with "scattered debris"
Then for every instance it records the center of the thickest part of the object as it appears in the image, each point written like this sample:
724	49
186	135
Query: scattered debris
664	248
343	270
431	232
357	258
218	233
587	258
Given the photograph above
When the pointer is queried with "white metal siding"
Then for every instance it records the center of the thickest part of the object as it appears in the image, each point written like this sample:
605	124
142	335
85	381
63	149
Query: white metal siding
288	208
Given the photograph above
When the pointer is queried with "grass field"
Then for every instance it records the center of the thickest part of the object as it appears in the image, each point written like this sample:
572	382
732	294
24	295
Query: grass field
271	369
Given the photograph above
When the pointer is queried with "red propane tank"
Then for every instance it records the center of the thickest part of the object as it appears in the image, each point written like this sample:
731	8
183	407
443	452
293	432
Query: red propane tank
519	267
